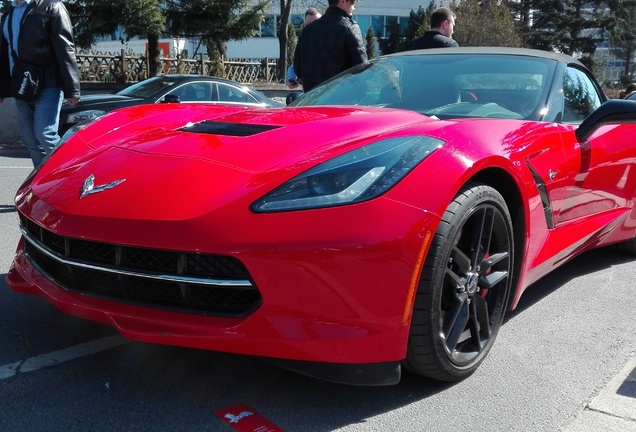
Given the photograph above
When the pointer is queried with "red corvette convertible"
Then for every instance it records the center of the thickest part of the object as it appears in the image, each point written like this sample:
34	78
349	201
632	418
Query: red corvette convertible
388	218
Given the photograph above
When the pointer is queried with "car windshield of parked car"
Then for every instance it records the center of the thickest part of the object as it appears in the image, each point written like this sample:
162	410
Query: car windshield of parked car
443	85
147	88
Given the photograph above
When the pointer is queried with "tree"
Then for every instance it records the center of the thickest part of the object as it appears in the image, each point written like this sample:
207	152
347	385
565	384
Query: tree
291	42
399	39
484	23
419	22
522	16
395	42
622	31
216	22
144	18
285	12
370	36
572	27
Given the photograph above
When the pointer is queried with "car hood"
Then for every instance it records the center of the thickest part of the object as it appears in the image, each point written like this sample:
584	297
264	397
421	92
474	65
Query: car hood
98	99
253	139
185	162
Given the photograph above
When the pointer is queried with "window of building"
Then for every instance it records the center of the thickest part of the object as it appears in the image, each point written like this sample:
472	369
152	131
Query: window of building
364	21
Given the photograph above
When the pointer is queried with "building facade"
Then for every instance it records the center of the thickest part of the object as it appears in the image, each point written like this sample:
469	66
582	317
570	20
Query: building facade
376	14
368	13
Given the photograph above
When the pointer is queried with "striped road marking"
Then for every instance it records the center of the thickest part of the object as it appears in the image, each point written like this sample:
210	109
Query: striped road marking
61	356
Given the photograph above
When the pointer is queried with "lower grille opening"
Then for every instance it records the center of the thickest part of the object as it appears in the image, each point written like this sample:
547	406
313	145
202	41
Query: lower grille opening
183	282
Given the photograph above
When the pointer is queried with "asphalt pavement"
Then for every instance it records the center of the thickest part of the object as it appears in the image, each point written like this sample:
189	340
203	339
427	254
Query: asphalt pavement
610	409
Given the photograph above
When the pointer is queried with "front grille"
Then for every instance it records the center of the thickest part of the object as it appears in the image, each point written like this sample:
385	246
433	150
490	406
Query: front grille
185	282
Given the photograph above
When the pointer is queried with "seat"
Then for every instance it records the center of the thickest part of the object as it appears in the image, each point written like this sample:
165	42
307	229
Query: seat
188	94
433	95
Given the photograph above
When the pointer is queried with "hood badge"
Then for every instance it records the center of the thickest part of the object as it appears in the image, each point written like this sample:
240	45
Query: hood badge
89	188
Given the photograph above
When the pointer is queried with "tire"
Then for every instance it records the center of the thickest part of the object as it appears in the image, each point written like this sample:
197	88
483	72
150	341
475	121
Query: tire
627	247
463	291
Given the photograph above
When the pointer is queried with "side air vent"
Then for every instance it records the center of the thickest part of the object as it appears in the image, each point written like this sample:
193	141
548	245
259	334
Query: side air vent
545	197
230	129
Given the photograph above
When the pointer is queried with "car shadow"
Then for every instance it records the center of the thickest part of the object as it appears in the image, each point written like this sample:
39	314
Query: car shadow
171	380
589	262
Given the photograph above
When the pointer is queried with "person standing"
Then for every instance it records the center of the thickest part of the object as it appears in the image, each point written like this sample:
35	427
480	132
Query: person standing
291	79
329	45
629	90
441	33
40	33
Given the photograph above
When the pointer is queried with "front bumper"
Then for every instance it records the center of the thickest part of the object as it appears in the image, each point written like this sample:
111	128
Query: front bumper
342	300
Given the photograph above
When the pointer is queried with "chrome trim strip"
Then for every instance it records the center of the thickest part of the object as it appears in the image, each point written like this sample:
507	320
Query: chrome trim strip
167	278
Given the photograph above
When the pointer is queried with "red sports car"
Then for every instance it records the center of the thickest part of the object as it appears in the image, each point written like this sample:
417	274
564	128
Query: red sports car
388	218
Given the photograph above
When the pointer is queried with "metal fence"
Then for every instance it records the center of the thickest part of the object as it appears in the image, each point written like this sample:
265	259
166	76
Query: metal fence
124	68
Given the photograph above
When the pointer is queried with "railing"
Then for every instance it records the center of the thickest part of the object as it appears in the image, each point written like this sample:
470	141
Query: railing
125	68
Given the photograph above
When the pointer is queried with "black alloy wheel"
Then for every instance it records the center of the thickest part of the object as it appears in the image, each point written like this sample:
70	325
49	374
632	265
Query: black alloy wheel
464	287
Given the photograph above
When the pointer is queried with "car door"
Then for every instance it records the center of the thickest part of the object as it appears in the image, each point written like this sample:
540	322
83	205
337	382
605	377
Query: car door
606	176
227	93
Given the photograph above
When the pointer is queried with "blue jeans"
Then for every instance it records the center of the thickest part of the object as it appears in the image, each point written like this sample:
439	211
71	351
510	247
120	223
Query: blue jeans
39	122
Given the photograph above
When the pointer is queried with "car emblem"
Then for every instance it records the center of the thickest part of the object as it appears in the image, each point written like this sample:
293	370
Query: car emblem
89	187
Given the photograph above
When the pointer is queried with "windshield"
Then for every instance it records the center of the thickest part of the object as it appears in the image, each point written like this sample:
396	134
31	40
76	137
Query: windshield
147	88
444	85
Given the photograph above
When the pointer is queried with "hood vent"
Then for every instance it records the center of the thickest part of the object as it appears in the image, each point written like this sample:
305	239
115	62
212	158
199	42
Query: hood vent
229	129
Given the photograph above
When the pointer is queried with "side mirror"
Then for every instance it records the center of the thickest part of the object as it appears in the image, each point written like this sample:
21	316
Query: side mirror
171	98
615	111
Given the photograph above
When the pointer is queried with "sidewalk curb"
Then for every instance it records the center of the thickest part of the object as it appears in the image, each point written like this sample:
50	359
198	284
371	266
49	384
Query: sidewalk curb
614	408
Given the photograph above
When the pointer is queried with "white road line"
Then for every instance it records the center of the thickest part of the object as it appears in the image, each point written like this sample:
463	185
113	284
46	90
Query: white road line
61	356
16	167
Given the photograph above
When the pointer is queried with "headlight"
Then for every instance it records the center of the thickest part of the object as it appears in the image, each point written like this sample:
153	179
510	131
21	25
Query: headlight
356	176
80	116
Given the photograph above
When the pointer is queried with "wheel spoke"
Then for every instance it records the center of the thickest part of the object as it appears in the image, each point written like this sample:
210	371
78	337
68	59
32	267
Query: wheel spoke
476	241
461	260
458	281
474	325
491	280
482	317
455	325
483	236
491	261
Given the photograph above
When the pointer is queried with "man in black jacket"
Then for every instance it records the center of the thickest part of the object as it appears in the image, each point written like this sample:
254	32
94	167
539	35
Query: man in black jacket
329	45
441	32
39	33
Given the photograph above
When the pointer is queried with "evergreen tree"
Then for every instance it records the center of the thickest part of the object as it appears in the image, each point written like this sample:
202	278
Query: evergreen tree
395	42
522	16
572	27
216	22
217	67
419	22
400	38
143	18
622	31
370	36
291	44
